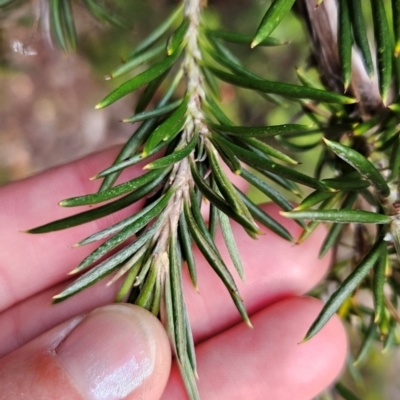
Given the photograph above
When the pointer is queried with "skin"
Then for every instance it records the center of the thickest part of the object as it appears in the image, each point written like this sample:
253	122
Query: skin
234	361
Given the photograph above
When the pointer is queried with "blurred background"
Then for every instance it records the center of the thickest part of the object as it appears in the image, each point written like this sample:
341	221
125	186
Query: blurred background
47	100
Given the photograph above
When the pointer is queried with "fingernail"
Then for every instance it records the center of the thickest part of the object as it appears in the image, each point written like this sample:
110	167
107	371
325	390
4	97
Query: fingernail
110	354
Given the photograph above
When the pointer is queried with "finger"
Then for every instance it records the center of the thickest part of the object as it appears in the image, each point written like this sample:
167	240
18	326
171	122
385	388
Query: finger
115	352
267	361
31	263
275	269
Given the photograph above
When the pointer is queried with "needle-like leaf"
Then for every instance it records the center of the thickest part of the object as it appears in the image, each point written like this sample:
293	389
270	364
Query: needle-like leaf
346	288
272	18
361	164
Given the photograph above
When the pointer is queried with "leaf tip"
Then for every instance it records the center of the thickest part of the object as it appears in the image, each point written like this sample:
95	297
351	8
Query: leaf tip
254	43
74	271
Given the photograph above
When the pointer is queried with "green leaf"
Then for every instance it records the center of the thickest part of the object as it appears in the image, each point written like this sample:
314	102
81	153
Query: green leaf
176	38
147	290
103	14
129	280
224	184
178	304
269	191
396	25
346	288
312	199
157	112
91	215
340	216
260	162
178	155
383	47
69	24
209	252
260	131
231	245
360	34
239	38
112	192
158	32
216	262
57	24
283	89
262	217
149	92
336	229
361	164
137	139
123	235
139	59
272	18
163	200
107	266
255	144
140	80
169	128
345	393
186	245
345	42
394	161
219	202
378	286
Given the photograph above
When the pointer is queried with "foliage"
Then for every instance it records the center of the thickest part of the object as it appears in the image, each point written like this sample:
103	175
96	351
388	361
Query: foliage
354	108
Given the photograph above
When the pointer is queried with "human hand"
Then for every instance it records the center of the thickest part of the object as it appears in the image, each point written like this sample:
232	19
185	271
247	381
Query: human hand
121	351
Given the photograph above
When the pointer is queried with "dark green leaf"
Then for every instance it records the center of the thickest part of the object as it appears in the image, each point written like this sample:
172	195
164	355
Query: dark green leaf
157	112
396	26
123	235
284	89
178	155
360	34
148	94
336	229
176	38
272	18
260	131
239	38
262	217
170	127
345	42
91	215
340	216
209	252
231	244
137	139
103	14
163	200
378	285
312	199
112	192
108	265
219	202
345	393
187	252
177	298
134	62
361	164
346	288
383	47
259	162
140	80
158	32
